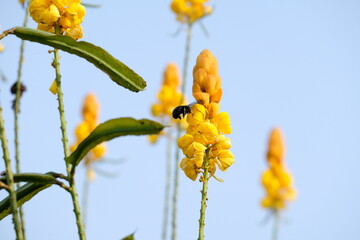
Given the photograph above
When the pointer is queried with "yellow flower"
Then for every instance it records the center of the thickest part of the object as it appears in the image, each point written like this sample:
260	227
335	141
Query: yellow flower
189	11
168	97
65	14
198	115
277	181
204	135
189	168
90	114
222	122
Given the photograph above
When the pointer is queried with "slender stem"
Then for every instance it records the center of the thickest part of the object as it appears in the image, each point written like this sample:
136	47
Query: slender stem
275	233
204	196
177	154
167	187
10	180
16	116
85	196
70	171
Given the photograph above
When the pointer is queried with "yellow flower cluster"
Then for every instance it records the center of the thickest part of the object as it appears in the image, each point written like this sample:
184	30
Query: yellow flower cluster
21	2
277	181
189	11
168	97
90	113
65	14
204	136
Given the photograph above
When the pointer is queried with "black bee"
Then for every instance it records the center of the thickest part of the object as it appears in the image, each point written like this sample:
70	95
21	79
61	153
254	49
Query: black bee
181	111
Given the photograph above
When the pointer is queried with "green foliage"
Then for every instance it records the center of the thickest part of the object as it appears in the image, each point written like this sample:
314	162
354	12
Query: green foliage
117	71
111	129
130	237
23	194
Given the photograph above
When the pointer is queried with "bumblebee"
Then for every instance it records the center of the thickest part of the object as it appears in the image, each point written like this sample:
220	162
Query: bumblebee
181	111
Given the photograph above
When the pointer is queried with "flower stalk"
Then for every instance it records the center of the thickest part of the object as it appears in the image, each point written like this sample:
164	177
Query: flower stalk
179	132
276	226
205	181
10	180
70	171
16	116
167	187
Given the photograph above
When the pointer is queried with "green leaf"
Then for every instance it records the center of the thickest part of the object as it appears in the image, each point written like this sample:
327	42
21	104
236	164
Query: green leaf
112	129
23	194
130	237
117	71
49	177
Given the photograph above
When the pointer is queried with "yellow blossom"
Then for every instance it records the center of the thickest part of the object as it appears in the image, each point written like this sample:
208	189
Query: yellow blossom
67	15
189	11
277	181
90	114
53	87
168	97
204	135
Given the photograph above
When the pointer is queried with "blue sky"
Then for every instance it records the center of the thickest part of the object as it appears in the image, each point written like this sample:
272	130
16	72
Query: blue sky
292	64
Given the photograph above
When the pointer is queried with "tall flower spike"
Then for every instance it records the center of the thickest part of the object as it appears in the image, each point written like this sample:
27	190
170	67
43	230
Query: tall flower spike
168	97
67	15
206	125
90	114
277	181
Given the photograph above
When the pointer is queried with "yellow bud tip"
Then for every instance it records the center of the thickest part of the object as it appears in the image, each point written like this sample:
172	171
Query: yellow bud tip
53	87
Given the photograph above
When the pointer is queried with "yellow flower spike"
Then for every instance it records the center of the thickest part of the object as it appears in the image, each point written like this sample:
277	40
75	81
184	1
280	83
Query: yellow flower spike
53	87
222	122
277	181
206	133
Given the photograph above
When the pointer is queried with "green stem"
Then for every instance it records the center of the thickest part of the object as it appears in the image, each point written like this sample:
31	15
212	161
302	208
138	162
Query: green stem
275	233
70	171
179	132
10	180
167	187
85	196
204	196
16	116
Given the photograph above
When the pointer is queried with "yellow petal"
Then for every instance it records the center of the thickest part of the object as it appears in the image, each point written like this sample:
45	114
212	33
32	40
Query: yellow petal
53	87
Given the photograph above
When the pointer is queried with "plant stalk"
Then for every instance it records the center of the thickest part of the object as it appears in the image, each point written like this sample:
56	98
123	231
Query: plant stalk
167	186
204	196
177	154
276	226
10	180
16	115
70	171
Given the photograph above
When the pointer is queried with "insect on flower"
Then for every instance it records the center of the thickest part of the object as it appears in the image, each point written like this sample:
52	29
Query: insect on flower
181	111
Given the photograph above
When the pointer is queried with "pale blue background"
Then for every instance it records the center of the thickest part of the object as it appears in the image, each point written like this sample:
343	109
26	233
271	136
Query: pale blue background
294	64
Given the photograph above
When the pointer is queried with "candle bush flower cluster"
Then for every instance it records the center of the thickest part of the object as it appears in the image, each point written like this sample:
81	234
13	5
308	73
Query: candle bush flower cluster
168	97
189	11
207	127
277	181
65	14
90	114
